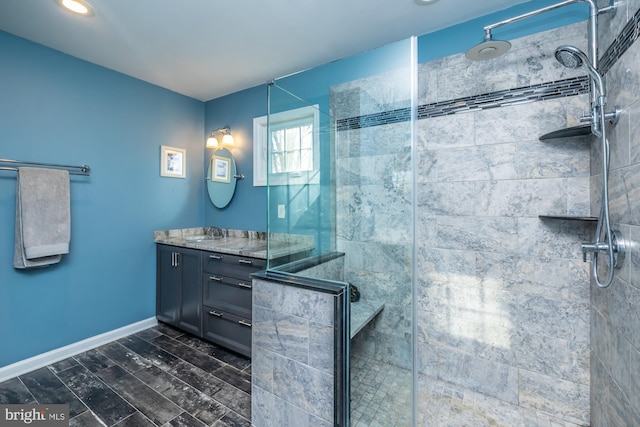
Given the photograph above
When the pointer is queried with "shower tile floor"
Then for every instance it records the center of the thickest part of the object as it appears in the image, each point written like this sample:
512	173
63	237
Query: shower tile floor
439	404
380	394
157	377
381	397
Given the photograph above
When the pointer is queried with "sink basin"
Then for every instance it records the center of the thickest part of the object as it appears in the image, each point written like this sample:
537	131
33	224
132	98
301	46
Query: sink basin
199	239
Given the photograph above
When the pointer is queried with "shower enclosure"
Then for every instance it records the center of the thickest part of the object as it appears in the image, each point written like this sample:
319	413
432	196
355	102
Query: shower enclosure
354	198
425	186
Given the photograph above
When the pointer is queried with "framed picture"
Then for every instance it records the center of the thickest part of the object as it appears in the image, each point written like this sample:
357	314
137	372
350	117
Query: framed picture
173	161
220	169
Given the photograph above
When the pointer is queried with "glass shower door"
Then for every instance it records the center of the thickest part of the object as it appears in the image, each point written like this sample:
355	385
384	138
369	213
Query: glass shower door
352	200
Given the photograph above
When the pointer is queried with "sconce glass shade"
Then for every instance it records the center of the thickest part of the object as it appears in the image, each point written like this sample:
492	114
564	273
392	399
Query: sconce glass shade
212	142
227	138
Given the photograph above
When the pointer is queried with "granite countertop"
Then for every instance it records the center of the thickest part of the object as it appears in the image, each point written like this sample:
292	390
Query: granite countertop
235	242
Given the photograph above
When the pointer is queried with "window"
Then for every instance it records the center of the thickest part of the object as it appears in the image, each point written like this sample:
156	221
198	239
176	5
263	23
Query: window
292	147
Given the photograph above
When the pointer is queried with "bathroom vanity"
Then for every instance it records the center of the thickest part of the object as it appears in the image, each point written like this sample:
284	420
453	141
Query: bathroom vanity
203	283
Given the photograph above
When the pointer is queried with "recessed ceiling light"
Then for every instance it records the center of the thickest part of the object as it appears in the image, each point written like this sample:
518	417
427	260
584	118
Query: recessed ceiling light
78	7
424	2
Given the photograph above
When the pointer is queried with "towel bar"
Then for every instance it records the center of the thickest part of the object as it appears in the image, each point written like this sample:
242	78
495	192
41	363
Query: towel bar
73	170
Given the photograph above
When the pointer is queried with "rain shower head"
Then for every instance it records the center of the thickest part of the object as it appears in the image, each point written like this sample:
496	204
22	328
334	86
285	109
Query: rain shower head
488	49
572	57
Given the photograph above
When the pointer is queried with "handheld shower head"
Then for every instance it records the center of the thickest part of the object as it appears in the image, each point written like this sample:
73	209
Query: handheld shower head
572	57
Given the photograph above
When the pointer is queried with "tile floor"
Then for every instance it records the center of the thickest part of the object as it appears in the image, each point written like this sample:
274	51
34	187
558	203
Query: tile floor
157	377
380	394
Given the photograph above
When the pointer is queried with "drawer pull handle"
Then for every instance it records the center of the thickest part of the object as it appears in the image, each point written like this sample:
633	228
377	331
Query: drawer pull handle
245	261
215	256
217	279
245	323
244	285
215	313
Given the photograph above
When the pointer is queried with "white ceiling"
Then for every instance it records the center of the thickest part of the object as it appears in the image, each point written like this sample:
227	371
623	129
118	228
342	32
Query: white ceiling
209	48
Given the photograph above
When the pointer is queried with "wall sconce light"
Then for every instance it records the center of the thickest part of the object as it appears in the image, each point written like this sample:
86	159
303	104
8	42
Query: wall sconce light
227	138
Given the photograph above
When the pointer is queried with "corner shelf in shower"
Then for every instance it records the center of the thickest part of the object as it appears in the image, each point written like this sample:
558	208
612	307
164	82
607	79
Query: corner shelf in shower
580	130
569	218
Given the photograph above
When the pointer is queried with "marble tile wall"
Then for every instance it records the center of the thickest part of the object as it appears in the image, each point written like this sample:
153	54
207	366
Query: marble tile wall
615	311
373	210
503	298
292	356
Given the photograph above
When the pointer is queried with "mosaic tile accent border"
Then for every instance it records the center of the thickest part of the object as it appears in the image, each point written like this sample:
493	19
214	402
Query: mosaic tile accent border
539	92
502	98
619	46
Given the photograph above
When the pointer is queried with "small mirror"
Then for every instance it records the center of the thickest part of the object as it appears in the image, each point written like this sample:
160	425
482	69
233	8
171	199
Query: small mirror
221	178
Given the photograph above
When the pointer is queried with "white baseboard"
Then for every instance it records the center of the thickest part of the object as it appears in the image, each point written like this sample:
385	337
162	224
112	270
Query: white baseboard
53	356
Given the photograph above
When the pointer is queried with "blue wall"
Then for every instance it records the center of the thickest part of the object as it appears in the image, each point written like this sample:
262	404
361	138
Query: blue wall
246	210
58	109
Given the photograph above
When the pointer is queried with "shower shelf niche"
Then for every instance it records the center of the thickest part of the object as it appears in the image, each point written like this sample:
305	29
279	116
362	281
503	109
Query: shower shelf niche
569	218
580	130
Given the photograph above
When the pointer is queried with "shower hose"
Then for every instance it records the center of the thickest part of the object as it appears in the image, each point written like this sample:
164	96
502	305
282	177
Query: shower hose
604	236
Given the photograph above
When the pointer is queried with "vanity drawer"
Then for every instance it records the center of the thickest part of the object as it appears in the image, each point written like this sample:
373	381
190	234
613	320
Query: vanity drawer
232	265
226	293
228	330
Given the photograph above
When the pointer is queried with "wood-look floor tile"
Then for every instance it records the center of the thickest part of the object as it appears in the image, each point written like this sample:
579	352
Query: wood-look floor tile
236	378
197	378
152	353
101	399
47	388
198	404
157	377
236	360
13	391
94	360
63	365
153	405
149	334
235	399
233	420
135	420
86	419
195	357
184	420
168	330
124	357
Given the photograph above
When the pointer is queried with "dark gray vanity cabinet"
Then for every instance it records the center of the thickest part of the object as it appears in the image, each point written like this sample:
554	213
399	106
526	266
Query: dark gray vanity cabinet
226	293
178	287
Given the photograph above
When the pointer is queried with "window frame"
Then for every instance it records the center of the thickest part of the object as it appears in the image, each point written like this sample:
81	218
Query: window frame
261	147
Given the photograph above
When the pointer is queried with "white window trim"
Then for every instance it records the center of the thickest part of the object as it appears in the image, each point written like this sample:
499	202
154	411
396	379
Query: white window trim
260	146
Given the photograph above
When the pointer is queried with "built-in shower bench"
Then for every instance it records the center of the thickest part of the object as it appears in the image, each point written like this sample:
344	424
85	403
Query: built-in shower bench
363	312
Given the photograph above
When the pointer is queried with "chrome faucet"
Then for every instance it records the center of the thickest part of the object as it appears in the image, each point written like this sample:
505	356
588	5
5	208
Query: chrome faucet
215	232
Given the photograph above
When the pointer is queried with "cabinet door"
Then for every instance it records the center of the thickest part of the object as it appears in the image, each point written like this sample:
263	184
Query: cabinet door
190	267
167	282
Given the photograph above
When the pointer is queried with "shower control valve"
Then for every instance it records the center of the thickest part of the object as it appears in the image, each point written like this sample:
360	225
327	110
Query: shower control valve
618	245
593	247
